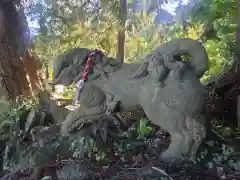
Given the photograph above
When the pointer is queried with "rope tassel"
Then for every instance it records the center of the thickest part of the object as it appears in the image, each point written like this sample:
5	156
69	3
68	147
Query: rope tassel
80	83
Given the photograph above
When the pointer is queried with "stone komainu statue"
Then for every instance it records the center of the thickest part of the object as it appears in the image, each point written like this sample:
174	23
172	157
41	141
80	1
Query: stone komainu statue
168	89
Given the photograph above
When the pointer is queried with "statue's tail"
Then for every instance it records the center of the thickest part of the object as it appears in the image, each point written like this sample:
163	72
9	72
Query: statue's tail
183	46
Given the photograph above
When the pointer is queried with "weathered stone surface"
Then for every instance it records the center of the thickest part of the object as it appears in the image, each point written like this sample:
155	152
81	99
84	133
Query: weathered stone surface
73	57
49	145
172	98
59	114
94	103
46	112
50	107
177	48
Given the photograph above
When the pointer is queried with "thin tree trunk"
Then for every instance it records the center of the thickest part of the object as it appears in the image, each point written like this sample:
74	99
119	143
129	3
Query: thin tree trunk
237	58
121	32
31	65
238	24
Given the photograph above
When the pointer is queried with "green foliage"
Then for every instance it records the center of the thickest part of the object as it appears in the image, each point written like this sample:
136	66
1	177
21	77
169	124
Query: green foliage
223	16
137	133
103	35
143	129
10	119
10	127
86	145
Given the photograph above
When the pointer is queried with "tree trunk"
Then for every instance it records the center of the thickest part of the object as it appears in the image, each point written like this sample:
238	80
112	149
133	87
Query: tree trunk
121	32
12	71
16	64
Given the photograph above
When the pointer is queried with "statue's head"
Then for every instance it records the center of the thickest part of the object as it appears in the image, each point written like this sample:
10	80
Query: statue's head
66	71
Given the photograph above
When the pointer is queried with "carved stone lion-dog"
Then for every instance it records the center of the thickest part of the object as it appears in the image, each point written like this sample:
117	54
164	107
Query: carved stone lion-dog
168	89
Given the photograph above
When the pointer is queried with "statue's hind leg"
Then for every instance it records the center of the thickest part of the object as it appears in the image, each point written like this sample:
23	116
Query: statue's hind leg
175	150
198	134
172	121
181	142
188	139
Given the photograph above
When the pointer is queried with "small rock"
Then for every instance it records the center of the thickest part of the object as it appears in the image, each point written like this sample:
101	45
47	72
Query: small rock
236	166
210	143
73	171
34	119
59	114
47	178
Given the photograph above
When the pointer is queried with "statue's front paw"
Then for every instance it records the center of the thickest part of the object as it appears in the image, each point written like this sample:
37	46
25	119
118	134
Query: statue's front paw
106	126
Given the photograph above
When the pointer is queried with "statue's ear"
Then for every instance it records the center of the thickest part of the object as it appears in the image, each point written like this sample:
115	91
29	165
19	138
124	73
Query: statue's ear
99	58
77	59
111	61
